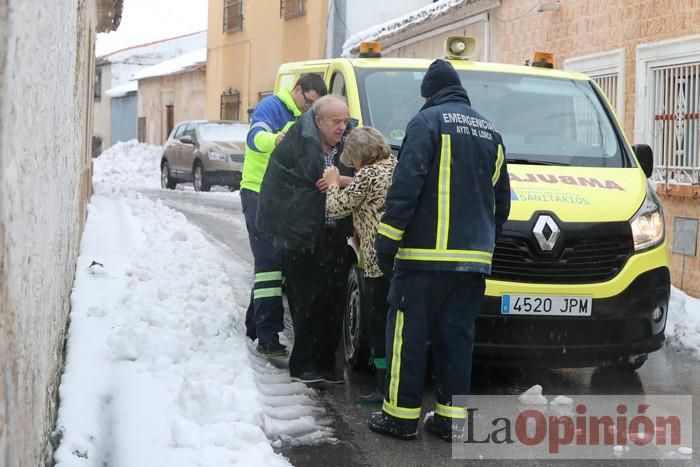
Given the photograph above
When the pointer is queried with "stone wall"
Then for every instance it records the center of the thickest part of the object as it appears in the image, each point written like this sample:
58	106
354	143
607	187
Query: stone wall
46	86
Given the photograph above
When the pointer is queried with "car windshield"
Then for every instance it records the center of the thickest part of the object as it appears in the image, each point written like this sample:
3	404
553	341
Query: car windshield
221	132
542	120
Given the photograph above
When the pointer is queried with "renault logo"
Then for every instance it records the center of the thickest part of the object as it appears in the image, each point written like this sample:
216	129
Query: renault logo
546	232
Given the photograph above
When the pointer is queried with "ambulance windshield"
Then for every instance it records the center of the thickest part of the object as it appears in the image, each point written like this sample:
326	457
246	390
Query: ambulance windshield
542	120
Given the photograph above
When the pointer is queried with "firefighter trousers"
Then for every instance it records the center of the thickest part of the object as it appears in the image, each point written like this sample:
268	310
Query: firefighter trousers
439	307
265	315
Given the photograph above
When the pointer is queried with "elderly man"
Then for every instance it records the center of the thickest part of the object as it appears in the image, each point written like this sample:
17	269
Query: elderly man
292	211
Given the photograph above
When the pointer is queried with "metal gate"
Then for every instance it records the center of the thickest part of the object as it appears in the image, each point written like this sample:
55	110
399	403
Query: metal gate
676	136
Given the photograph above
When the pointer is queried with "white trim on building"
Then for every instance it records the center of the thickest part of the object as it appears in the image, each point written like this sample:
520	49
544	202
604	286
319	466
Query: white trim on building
608	69
665	110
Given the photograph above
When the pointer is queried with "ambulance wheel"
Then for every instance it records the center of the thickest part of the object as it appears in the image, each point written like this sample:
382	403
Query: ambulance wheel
355	342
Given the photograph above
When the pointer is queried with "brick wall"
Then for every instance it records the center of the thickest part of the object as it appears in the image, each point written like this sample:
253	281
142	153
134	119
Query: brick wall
584	27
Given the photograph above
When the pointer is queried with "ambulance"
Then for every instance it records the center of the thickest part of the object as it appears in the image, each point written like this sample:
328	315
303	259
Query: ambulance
580	276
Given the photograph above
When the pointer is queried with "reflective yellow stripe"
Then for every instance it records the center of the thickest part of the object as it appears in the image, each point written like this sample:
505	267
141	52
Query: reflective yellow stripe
390	232
400	412
499	164
267	293
396	359
425	254
450	412
443	221
268	276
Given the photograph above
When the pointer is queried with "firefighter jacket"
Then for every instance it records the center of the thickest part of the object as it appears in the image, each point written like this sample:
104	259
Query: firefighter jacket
450	194
273	115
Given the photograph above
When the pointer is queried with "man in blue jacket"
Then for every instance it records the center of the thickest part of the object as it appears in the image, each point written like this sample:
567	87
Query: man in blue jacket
448	202
269	123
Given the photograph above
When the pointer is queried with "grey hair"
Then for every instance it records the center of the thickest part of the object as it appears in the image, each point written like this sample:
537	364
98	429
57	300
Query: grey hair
320	105
364	145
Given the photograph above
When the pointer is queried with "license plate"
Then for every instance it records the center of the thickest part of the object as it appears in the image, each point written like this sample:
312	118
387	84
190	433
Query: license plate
551	305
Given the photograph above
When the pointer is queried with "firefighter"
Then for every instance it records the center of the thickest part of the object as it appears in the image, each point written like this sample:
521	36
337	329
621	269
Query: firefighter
269	123
448	202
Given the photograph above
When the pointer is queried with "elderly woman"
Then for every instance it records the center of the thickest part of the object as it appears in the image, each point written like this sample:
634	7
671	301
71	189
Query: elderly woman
367	151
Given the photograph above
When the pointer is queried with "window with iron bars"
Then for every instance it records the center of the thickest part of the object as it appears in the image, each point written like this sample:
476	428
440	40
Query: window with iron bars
291	8
233	15
230	104
676	123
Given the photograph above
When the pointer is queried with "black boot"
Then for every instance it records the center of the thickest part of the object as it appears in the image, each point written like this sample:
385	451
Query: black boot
447	429
381	423
376	397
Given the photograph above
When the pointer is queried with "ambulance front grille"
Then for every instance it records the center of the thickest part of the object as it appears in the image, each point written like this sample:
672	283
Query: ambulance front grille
578	261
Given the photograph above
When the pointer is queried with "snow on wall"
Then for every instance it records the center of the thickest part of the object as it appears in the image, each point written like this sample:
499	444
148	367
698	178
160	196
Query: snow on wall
45	96
396	25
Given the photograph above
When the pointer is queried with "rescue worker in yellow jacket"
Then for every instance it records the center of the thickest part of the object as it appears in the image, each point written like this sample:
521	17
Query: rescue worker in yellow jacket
269	123
449	199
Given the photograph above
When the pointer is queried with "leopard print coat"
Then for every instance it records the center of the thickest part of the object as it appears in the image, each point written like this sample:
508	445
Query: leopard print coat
364	199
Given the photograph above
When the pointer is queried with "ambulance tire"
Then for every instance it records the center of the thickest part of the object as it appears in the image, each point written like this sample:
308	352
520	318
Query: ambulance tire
355	338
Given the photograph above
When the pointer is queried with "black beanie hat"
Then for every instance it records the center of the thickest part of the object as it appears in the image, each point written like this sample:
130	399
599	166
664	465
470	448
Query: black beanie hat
440	74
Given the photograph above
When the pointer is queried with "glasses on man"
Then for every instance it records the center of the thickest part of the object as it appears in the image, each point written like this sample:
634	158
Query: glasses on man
307	102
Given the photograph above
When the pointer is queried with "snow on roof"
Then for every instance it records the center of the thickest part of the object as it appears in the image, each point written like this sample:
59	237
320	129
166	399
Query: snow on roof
186	41
183	63
123	89
396	25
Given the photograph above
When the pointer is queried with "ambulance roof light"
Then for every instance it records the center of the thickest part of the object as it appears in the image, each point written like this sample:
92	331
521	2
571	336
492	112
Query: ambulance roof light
543	60
370	49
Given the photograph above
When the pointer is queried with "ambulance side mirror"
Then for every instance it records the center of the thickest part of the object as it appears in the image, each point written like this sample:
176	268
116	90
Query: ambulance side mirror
645	156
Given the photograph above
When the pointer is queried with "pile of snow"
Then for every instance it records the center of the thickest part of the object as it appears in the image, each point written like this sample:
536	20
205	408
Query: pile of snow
533	396
396	25
123	89
158	370
683	322
126	166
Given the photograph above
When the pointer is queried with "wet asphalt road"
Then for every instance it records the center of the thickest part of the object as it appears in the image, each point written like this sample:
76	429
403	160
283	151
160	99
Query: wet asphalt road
667	372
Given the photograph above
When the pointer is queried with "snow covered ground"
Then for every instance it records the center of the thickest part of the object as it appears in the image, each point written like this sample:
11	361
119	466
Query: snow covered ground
158	371
683	325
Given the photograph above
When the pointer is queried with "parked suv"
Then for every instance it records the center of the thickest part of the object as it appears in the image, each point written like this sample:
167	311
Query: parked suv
204	153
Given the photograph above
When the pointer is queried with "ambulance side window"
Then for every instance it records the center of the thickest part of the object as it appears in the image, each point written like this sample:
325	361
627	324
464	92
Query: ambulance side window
338	84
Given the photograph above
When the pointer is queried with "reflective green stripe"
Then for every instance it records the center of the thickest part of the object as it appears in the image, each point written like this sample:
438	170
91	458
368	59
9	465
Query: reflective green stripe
499	164
268	276
390	232
267	293
443	221
424	254
396	359
450	412
380	363
401	412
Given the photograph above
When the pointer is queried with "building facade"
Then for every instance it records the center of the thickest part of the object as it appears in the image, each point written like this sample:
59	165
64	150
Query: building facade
45	179
644	54
248	40
115	108
170	92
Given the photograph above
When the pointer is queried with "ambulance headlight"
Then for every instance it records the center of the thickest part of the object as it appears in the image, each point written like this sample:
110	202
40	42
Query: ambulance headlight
648	223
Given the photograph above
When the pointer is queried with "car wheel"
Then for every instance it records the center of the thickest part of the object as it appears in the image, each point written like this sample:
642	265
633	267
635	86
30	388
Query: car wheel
165	180
199	180
354	328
